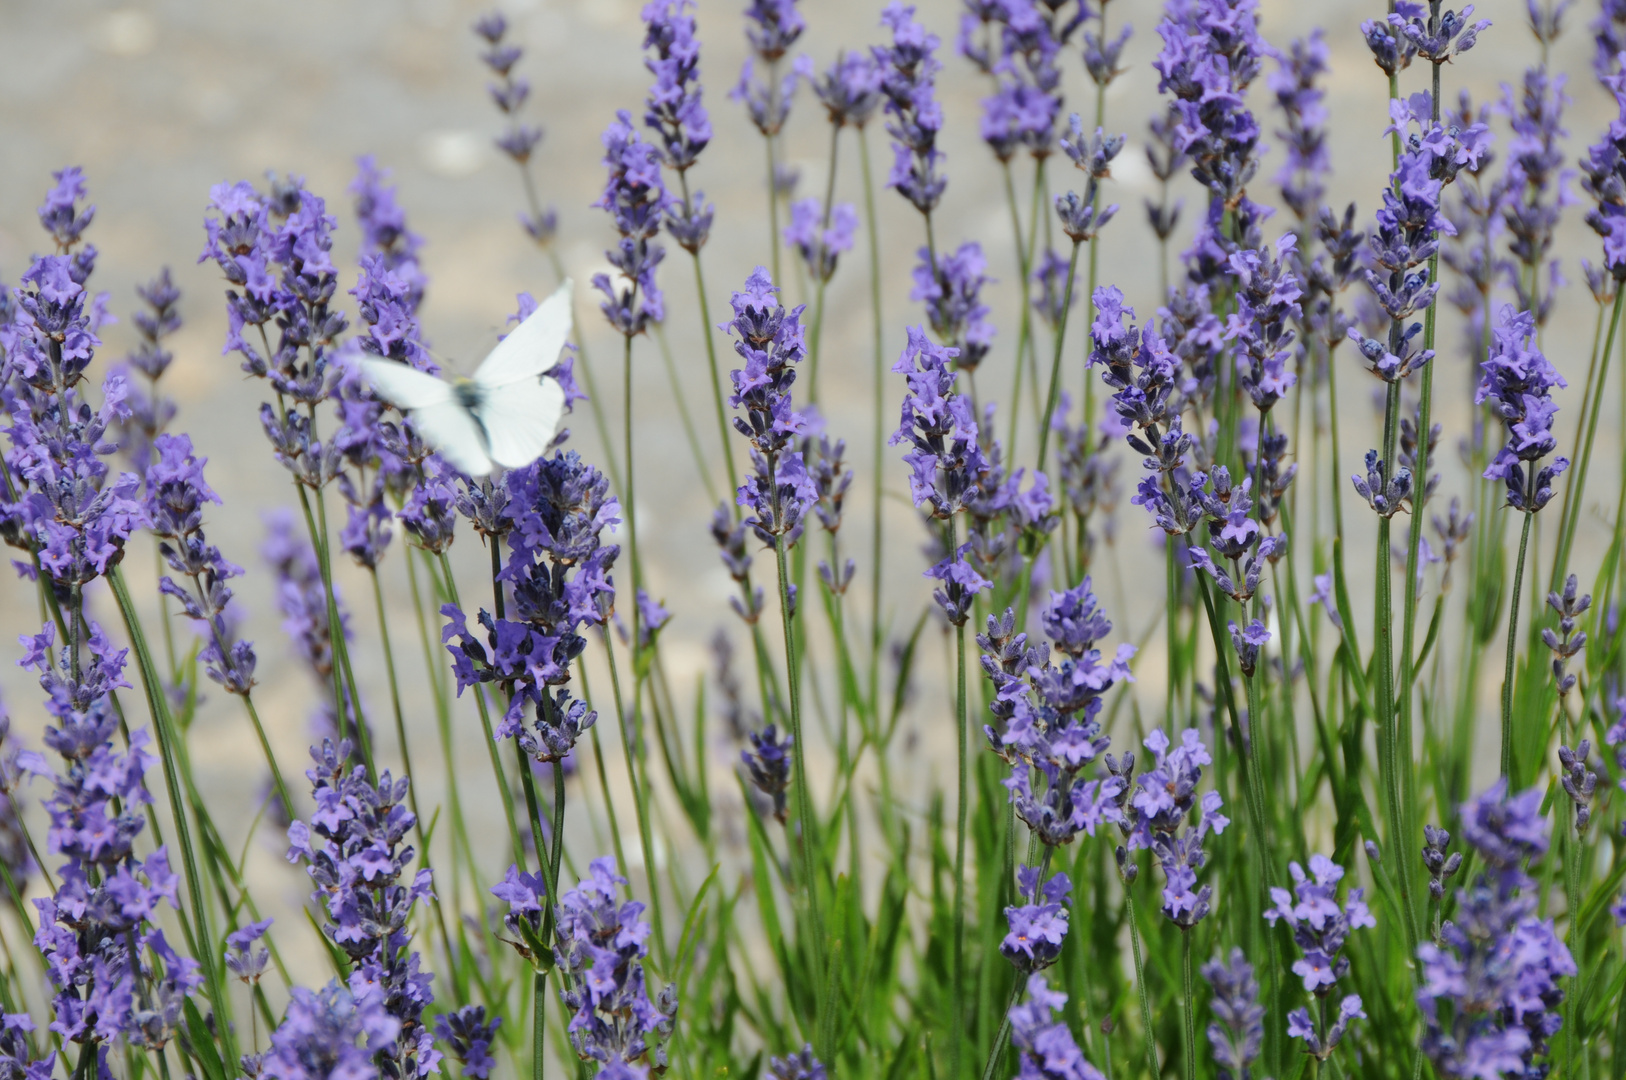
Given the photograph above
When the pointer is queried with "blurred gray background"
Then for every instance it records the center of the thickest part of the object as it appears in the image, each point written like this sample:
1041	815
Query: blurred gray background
160	100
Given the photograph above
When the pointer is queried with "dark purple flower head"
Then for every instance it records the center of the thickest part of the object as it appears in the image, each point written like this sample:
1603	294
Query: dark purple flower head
558	574
337	1031
1267	305
1051	734
772	27
1161	810
952	291
1320	925
636	198
768	766
300	596
509	94
1038	925
176	494
1082	216
909	69
1045	1046
1238	1031
850	88
1440	866
779	490
60	214
1565	643
243	960
673	107
1211	52
1497	965
1391	50
600	949
820	239
354	850
469	1037
1436	38
1302	177
801	1066
384	231
1074	621
1604	178
1517	381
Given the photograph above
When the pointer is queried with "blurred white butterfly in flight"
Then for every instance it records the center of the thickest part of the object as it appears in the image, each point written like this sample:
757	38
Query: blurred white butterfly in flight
506	413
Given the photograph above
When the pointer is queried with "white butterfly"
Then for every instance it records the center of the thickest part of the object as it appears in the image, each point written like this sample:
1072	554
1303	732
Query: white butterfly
506	414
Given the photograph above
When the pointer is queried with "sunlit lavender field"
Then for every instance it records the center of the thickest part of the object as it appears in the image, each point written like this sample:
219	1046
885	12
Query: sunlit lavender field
1084	539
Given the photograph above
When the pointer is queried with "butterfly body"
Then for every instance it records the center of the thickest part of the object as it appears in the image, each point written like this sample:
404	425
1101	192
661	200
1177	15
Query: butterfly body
506	413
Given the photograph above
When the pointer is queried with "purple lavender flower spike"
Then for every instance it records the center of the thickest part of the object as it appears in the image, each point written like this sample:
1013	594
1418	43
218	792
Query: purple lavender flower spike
674	111
150	411
1038	925
952	291
300	596
1082	218
243	960
1436	40
1302	177
1248	641
909	68
354	851
1161	808
1609	39
384	230
1051	734
1518	382
176	494
799	1066
1496	966
1320	928
558	573
1238	1032
336	1031
60	214
1046	1047
600	950
636	198
468	1037
820	241
768	766
779	492
1604	178
850	89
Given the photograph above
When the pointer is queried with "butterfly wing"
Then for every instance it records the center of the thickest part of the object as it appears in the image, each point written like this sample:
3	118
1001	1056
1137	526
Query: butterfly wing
453	431
437	414
532	348
520	420
405	387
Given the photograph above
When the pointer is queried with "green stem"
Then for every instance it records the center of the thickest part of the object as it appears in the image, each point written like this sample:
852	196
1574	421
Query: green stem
806	823
166	735
1055	363
1570	520
1512	643
958	1019
1188	1002
716	376
879	390
1140	982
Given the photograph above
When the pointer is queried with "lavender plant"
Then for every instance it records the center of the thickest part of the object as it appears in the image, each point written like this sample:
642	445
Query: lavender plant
841	905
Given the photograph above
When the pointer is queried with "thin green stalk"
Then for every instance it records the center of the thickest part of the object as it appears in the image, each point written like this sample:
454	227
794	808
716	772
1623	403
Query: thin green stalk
1188	1005
164	729
645	837
879	390
1512	644
504	793
957	1021
808	841
1570	519
270	758
683	412
1055	363
1140	982
815	339
711	361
